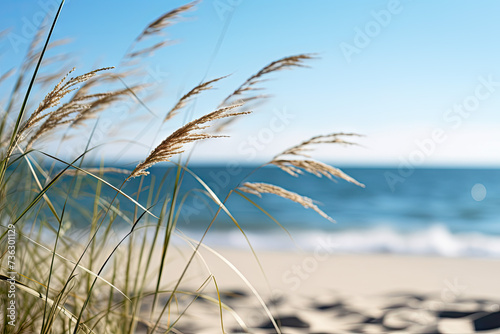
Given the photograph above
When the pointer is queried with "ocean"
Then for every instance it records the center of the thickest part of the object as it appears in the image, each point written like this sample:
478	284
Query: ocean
442	212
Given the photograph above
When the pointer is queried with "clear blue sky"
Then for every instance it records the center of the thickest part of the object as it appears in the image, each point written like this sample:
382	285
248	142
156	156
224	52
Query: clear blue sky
391	70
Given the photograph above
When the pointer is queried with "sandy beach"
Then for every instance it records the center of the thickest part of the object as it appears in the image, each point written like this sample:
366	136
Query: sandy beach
332	293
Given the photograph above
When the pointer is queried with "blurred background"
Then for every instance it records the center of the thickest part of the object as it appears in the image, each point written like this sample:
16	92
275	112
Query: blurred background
419	80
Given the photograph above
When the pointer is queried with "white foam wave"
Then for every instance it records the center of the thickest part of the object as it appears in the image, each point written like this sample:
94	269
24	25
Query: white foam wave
436	240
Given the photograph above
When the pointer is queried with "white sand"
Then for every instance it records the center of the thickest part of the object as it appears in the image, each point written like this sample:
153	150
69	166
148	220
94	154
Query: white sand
312	274
366	285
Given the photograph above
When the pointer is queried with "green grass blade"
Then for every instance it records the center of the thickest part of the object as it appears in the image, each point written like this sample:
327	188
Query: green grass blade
242	277
89	294
20	116
265	212
72	262
37	294
118	190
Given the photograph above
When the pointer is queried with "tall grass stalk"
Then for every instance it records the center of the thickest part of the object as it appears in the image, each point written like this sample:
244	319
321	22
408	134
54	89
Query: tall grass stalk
94	245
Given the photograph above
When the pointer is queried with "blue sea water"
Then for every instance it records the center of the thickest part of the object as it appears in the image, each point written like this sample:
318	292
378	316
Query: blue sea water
445	212
448	212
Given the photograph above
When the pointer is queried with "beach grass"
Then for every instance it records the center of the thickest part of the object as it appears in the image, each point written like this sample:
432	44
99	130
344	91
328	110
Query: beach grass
63	279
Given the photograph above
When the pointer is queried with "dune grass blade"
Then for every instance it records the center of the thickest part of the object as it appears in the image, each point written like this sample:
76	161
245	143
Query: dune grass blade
155	238
168	233
49	301
20	116
218	300
35	177
196	296
89	293
118	190
208	298
221	207
266	213
40	195
138	99
72	262
6	75
242	277
137	290
51	270
73	172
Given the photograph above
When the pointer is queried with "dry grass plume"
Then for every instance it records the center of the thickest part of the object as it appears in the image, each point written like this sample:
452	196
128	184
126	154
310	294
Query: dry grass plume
188	96
251	84
259	188
174	143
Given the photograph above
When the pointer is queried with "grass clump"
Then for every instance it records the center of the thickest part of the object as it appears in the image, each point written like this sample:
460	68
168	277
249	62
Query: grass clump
92	245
